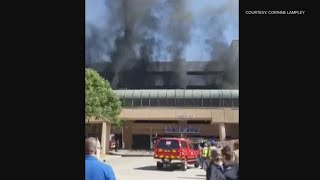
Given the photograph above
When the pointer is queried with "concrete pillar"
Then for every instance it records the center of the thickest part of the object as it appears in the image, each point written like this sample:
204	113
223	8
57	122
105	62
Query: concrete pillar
103	138
127	135
122	139
222	131
108	137
182	123
150	136
98	155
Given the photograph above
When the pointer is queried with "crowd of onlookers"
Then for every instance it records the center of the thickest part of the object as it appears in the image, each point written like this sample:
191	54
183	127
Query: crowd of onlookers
220	163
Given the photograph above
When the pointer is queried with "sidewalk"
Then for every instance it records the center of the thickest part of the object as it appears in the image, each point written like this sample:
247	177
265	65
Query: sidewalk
132	153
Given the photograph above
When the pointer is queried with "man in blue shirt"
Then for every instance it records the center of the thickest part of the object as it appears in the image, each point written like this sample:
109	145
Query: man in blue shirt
95	169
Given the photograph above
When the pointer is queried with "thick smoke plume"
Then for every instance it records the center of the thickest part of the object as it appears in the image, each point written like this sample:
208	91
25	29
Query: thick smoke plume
139	32
180	19
220	51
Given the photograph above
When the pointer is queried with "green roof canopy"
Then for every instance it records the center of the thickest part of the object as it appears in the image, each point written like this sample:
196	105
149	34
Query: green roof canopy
177	93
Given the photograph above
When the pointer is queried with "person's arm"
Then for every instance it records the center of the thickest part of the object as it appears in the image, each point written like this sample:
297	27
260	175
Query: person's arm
238	174
234	156
110	174
208	172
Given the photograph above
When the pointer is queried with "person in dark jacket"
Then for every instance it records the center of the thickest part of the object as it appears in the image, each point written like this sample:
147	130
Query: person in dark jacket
231	168
215	170
222	167
95	169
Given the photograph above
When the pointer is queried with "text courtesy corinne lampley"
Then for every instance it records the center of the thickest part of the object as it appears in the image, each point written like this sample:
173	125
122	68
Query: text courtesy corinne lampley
275	12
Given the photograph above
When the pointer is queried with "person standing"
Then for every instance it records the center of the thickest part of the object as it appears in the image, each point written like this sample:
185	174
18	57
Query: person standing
231	168
236	152
117	145
95	169
215	171
204	155
212	146
222	167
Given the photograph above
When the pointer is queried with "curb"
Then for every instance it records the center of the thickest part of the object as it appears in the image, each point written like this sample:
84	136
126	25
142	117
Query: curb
136	155
115	155
131	155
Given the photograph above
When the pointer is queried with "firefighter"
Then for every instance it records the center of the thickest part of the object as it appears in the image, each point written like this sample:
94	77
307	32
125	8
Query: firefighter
204	155
212	146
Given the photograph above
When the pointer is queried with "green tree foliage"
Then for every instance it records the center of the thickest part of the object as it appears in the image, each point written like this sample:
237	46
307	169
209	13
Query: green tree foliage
101	102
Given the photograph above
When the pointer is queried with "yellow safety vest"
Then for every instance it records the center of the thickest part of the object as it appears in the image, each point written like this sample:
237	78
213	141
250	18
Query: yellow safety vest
204	152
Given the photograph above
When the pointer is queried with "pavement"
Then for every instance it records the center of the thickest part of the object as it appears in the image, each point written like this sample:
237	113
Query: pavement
132	153
138	168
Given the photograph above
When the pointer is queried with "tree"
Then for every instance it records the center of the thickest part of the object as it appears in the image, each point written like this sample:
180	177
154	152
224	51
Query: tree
101	102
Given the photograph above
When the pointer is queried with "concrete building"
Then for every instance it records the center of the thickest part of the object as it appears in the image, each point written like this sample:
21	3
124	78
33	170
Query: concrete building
101	130
177	113
154	106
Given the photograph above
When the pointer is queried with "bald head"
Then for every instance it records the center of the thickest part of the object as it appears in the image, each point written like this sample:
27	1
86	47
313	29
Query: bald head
91	145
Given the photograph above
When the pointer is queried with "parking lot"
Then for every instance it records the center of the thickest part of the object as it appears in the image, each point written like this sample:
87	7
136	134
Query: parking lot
136	168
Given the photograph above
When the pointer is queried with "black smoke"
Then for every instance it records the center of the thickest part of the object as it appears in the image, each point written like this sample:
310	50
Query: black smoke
220	51
134	48
137	33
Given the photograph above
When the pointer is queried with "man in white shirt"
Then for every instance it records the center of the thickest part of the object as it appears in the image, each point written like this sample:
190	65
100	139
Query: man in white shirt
236	152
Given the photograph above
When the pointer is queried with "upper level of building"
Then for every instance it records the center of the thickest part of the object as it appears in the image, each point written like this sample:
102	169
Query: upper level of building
178	98
176	74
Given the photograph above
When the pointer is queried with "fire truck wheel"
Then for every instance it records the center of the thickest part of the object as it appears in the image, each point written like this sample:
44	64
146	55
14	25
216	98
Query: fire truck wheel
184	165
159	165
196	165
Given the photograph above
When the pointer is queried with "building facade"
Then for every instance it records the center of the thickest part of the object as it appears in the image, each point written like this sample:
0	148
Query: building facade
174	74
178	98
177	113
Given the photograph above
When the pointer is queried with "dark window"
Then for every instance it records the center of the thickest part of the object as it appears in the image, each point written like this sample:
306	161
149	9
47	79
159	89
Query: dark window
127	102
227	102
162	102
168	144
137	102
153	102
198	122
188	102
207	102
184	144
171	102
145	102
197	102
179	102
235	102
122	102
215	102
